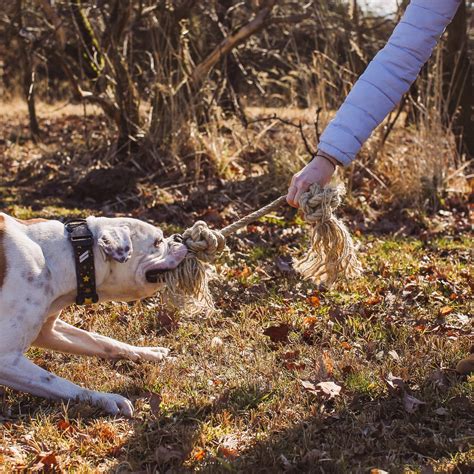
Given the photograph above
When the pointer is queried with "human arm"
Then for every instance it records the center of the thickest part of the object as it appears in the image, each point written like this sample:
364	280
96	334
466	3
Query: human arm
380	88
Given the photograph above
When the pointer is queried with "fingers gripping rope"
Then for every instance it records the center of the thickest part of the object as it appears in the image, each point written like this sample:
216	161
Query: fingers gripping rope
331	254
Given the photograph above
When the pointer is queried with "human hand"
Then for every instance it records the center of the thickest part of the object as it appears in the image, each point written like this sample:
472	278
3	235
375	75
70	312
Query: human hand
319	170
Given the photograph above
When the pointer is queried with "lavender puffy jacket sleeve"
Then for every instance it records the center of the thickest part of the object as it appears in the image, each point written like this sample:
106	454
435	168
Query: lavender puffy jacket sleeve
387	78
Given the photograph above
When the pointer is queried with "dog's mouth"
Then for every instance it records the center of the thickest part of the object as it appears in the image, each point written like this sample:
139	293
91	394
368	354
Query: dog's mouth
156	269
156	276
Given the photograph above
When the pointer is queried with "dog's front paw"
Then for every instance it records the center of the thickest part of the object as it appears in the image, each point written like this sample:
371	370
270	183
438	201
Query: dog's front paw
112	404
151	354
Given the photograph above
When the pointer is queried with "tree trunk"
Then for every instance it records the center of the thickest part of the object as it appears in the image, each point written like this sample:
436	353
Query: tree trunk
229	101
458	81
28	72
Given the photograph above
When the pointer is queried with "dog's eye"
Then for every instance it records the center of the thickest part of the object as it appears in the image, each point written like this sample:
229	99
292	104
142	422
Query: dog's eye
158	242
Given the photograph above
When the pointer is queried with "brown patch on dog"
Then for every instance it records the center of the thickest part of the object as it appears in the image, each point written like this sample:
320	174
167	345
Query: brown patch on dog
3	259
30	221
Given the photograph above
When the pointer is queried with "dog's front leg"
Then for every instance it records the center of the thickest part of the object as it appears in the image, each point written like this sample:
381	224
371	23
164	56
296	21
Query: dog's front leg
60	336
19	373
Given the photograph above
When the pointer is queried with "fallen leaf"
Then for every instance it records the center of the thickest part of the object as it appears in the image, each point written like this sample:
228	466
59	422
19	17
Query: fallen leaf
394	355
314	301
43	460
167	321
459	320
199	454
105	432
295	366
155	402
394	383
336	313
314	455
325	366
445	310
310	320
373	300
411	404
290	355
64	425
229	453
244	273
284	264
287	466
278	333
115	451
308	386
49	459
330	389
165	454
438	378
217	343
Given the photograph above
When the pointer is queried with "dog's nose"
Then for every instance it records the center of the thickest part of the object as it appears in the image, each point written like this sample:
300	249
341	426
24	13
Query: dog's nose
177	238
178	250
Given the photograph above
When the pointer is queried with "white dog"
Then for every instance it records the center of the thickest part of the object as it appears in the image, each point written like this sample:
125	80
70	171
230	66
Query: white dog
42	271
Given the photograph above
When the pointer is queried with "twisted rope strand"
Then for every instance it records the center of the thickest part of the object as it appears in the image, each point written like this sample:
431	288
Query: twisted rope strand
252	217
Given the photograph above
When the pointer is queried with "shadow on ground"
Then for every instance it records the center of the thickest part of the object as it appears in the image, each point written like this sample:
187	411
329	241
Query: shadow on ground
362	435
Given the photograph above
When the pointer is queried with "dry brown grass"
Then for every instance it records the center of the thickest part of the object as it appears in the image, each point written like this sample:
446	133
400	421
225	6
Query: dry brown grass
17	109
423	167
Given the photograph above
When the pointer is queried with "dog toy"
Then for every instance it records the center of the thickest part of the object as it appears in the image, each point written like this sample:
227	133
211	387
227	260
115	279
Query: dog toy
331	254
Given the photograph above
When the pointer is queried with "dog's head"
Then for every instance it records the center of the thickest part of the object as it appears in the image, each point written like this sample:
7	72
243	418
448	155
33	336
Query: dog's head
134	250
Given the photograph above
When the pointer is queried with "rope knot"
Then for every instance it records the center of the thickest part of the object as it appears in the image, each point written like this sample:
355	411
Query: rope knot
204	242
319	203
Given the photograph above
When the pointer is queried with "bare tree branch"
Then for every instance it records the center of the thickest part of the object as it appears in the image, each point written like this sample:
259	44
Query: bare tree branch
183	10
288	19
56	21
253	26
298	125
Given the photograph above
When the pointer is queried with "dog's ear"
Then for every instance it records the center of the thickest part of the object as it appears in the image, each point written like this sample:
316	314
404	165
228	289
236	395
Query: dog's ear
116	243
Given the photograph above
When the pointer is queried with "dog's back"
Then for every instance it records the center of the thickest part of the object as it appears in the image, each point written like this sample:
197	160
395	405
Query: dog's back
18	250
23	272
3	259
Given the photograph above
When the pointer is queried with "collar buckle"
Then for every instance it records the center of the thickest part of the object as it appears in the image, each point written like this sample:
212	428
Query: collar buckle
78	240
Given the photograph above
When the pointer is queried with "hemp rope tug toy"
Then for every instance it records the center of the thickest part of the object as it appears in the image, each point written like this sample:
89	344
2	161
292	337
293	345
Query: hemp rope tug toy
331	254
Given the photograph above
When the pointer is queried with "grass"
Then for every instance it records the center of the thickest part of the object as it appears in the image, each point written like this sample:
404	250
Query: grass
234	398
239	406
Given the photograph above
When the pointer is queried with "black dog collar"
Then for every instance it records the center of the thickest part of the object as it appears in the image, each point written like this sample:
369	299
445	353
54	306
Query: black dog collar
82	242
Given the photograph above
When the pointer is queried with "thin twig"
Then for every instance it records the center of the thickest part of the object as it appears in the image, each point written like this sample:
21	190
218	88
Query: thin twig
316	124
298	125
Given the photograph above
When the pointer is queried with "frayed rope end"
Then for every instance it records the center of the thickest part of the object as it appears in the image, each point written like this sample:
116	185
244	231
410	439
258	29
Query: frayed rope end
187	286
332	254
